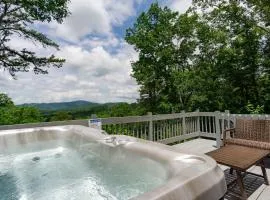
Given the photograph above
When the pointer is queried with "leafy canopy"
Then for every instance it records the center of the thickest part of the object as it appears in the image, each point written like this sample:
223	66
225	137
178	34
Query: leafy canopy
166	47
61	116
5	101
17	18
11	114
216	56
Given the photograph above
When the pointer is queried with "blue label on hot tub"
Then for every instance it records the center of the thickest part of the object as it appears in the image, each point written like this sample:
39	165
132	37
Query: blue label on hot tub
95	123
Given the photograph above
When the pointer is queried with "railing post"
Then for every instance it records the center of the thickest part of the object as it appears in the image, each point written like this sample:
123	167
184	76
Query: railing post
150	136
198	122
184	122
218	134
93	116
227	115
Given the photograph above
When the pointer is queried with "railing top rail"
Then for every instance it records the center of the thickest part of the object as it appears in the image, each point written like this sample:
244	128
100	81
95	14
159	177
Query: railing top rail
202	114
146	118
136	119
174	116
125	120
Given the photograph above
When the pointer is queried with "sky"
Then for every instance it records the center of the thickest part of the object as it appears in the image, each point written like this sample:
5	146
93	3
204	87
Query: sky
98	60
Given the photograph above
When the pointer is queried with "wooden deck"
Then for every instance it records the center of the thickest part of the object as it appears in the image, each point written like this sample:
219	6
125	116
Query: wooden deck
255	186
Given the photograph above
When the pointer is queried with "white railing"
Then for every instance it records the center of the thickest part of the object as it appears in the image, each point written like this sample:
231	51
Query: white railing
165	128
168	128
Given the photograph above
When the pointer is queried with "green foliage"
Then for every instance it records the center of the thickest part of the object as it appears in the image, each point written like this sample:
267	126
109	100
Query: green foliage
11	114
61	116
166	45
216	56
85	112
16	19
5	101
240	56
16	115
254	109
121	110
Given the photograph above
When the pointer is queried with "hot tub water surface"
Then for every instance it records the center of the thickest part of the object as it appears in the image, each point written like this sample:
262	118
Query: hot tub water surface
89	171
81	163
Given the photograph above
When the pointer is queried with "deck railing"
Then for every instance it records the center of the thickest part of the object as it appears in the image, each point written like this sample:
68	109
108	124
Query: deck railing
169	128
165	128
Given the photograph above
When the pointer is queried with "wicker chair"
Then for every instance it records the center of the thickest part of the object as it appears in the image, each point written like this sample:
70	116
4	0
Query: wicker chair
250	133
248	144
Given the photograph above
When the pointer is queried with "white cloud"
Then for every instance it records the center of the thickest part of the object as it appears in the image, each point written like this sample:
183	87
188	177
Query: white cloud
88	16
92	42
119	10
180	5
97	67
93	17
94	75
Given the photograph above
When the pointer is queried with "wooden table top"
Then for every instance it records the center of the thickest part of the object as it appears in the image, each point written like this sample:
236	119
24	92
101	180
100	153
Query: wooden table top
238	157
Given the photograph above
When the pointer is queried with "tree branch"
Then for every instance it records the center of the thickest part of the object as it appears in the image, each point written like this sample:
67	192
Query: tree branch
4	13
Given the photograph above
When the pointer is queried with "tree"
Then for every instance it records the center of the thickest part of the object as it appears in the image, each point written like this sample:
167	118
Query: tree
166	44
261	7
241	55
5	101
11	114
16	19
19	115
61	116
124	109
216	56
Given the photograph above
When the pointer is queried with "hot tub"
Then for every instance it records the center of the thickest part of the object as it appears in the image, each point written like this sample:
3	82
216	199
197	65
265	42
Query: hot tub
76	162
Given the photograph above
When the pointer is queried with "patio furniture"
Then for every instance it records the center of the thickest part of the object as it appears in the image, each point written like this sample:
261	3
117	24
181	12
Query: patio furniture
248	145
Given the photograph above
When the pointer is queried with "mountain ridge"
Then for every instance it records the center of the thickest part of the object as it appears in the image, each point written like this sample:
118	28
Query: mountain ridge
55	106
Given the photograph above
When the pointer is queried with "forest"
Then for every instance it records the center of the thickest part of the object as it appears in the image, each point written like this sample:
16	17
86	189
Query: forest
14	114
215	56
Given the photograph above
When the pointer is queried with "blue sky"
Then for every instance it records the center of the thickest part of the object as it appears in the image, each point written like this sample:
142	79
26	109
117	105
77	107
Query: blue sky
140	7
98	59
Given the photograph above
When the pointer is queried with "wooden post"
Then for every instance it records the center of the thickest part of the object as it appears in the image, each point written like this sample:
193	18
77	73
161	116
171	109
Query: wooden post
218	134
198	122
184	122
264	173
241	185
150	135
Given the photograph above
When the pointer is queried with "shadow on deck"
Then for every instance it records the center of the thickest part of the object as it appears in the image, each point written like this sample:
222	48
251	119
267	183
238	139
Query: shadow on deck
251	183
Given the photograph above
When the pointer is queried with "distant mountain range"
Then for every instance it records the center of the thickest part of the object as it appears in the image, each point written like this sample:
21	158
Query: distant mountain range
62	105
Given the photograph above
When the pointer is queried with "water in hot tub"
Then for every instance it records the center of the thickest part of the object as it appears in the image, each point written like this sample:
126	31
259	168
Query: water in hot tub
90	171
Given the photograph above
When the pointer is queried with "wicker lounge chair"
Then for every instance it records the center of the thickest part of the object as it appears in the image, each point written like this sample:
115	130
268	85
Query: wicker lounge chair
247	145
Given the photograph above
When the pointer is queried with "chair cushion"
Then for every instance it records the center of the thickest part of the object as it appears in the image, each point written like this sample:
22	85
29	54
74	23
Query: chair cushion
249	143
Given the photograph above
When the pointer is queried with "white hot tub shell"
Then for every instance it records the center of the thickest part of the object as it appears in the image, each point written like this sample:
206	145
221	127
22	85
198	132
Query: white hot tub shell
190	177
